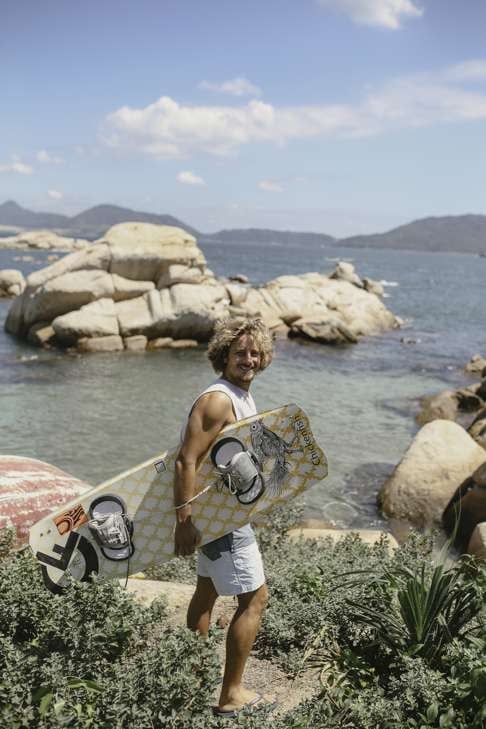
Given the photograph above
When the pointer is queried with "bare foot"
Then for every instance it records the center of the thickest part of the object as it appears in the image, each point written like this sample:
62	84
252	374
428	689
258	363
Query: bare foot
242	698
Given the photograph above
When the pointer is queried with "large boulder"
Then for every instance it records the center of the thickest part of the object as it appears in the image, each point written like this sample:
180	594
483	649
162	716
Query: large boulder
65	293
325	330
328	310
12	282
441	456
153	282
30	489
183	311
97	319
95	258
143	251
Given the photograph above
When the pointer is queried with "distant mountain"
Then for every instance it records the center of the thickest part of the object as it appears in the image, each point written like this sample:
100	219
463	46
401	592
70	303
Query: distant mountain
459	233
93	223
263	235
90	224
97	220
13	214
452	233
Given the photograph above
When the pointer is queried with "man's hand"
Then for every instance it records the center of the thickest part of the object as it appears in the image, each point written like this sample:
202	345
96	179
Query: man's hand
186	538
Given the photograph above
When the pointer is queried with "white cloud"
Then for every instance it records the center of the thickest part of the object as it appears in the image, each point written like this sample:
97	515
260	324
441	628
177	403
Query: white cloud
16	165
189	178
44	156
270	186
55	194
167	129
238	86
381	13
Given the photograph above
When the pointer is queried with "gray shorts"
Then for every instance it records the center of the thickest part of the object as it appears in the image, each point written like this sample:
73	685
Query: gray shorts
233	569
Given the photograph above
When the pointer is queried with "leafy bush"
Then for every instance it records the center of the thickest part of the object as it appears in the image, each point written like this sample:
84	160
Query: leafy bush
179	569
95	658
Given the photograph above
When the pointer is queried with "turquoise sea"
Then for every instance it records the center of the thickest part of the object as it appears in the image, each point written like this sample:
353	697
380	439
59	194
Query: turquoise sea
96	415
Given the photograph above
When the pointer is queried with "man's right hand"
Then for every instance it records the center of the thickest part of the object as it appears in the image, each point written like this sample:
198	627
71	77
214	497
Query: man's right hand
186	538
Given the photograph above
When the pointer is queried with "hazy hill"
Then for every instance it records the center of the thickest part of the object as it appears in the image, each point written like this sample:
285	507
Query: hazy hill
459	233
91	223
96	221
264	235
454	233
13	214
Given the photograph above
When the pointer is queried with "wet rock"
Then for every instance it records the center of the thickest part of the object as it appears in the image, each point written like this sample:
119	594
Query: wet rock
138	343
41	334
183	344
112	343
443	406
468	399
159	343
481	390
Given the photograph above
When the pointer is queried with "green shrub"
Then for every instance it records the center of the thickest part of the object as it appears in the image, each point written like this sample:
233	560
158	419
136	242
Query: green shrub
93	657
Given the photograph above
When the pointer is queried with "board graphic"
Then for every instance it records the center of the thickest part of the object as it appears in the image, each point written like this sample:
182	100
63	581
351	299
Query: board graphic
126	524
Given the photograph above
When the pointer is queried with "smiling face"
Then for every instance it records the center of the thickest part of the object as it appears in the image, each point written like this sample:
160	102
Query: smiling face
243	362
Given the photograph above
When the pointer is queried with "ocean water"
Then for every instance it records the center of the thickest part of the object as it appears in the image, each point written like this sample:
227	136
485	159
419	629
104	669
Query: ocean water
96	415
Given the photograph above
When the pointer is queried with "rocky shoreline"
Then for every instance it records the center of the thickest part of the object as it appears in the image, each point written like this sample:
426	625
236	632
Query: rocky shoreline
145	286
441	479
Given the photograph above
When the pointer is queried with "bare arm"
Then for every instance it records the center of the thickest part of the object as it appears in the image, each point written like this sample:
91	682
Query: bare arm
211	413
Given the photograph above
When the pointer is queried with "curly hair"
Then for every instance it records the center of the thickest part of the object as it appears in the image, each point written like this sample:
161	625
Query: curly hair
226	331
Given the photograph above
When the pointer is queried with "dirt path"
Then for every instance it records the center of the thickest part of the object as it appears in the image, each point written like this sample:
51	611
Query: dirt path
261	675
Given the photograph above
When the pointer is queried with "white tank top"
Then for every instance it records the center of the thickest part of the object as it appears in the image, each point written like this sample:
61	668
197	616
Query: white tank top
243	407
241	400
243	403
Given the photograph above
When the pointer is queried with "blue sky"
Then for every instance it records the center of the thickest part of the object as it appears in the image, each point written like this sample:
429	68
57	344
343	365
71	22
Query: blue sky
339	116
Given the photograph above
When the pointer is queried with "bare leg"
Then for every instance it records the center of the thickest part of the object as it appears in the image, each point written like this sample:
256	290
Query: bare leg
241	636
201	606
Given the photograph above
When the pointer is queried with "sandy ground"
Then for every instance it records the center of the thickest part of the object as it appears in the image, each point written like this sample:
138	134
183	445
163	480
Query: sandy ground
261	675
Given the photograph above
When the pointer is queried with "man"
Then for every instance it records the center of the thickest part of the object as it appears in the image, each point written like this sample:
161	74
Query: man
231	565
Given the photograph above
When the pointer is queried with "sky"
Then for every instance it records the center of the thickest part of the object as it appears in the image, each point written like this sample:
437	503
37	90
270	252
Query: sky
335	116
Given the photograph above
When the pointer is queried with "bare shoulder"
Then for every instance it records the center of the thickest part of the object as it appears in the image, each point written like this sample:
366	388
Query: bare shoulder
213	410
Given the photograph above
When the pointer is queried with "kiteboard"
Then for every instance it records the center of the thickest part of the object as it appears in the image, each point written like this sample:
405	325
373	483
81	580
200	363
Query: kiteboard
126	524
